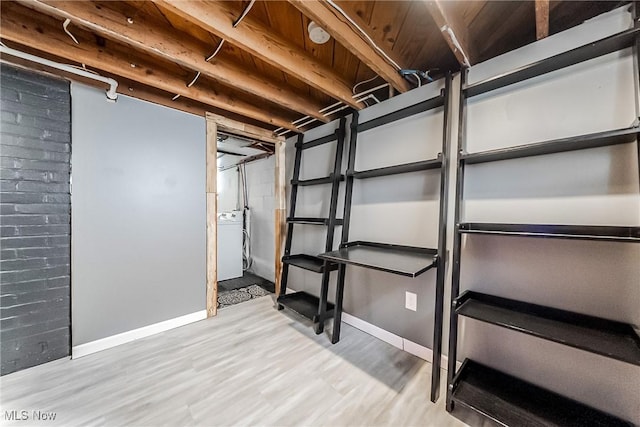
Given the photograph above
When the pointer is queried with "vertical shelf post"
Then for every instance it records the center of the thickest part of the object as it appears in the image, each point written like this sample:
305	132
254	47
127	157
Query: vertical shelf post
346	218
442	243
335	187
457	244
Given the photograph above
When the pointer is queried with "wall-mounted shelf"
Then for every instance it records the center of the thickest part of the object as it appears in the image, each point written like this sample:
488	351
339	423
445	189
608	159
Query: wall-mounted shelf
402	260
421	107
504	399
582	232
395	259
311	306
316	142
312	221
599	139
509	401
308	262
317	181
397	169
583	53
304	304
601	336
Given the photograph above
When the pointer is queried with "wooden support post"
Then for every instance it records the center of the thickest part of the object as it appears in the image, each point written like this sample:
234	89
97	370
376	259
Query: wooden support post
542	19
212	218
281	207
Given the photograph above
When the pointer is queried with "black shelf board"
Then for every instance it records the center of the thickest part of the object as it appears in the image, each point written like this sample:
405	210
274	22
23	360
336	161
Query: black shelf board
600	139
596	335
316	181
562	60
396	259
583	232
510	401
318	141
305	305
308	262
312	221
420	107
398	169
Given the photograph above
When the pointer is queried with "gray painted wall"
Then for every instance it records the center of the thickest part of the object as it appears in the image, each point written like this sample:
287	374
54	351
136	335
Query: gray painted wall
597	186
35	140
138	214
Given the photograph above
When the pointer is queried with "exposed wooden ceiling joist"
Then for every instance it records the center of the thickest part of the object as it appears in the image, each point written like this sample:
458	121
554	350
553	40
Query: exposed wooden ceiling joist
260	41
186	51
329	19
453	29
542	19
45	34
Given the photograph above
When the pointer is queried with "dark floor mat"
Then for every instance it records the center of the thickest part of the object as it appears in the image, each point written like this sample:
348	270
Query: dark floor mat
241	289
247	279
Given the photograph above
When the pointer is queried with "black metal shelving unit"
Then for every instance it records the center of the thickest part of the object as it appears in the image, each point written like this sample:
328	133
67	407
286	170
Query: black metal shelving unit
301	302
509	401
504	399
392	258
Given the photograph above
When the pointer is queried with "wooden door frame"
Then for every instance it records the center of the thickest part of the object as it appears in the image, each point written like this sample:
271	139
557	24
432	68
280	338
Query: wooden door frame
215	123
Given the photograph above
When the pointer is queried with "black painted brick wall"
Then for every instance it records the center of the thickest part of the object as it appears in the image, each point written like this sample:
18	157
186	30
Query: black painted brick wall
35	208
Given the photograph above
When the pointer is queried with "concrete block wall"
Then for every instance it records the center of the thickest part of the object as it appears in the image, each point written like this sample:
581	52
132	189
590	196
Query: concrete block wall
260	187
35	143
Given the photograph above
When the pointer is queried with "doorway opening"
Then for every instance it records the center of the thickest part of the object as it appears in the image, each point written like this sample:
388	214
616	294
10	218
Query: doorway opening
245	217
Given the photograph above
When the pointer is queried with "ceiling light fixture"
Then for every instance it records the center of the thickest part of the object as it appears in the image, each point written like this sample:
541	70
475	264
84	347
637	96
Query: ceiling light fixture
317	34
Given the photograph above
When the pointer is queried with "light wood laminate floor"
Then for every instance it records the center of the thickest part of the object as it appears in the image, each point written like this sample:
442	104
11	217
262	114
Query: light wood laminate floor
251	365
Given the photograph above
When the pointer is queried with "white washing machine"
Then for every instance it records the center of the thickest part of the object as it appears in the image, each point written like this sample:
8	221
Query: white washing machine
229	245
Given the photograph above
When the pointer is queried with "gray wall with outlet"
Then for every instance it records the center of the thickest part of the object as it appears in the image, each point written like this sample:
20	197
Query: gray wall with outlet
596	186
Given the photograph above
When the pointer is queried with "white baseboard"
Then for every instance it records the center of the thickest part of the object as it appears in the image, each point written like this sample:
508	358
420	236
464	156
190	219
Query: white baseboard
397	341
145	331
373	330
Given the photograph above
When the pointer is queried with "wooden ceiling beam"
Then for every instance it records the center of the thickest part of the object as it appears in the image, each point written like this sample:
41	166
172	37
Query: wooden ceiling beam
262	42
453	29
183	50
328	18
39	32
542	19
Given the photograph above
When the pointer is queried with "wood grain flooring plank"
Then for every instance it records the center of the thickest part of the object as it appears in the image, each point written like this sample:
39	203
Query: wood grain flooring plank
251	365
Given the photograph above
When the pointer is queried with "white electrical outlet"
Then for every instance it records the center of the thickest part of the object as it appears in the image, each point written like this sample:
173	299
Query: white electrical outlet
411	301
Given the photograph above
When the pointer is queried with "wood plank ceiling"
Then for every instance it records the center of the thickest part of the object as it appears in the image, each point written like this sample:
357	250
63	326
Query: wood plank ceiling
268	72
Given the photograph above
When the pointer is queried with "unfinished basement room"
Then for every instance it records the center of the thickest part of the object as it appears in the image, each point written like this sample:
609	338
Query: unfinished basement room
320	213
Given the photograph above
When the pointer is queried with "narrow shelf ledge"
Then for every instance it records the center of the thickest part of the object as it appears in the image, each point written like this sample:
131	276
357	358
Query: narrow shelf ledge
583	53
318	141
312	221
429	104
583	232
305	304
308	262
607	338
317	181
600	139
398	169
396	259
510	401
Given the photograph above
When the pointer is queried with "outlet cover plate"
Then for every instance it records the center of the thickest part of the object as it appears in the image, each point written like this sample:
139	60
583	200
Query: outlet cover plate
411	301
